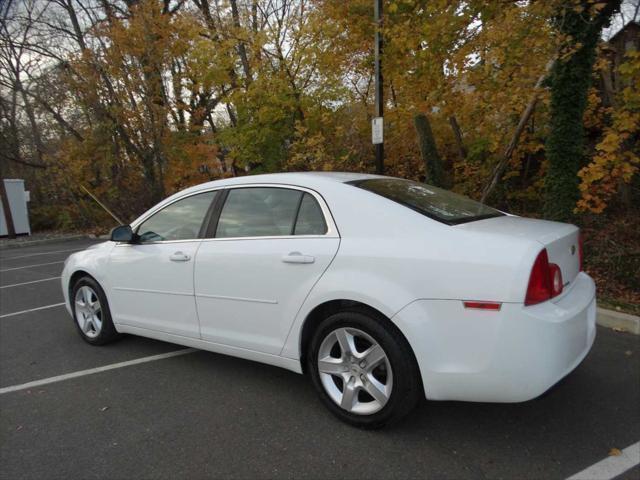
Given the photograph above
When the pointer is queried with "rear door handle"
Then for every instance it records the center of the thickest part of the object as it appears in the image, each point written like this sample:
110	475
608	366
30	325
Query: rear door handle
297	257
179	257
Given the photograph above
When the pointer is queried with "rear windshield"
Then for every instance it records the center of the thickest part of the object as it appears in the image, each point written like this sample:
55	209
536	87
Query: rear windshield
436	203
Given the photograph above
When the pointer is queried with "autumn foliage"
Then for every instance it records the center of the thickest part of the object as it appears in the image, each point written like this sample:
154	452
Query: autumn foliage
137	99
616	159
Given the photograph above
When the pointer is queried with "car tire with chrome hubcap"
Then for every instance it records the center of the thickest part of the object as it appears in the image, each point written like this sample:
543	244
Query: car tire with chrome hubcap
91	312
363	368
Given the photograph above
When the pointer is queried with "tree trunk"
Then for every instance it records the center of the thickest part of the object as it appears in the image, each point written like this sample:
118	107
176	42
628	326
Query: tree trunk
522	123
608	91
242	51
35	128
462	151
429	151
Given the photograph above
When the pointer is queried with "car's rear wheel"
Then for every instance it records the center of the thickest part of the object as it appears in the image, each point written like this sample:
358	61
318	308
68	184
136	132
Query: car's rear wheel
91	312
363	369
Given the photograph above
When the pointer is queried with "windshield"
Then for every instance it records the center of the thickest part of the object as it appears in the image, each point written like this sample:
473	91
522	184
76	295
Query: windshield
436	203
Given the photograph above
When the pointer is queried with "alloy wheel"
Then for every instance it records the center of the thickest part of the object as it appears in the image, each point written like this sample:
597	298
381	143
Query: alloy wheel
88	311
355	371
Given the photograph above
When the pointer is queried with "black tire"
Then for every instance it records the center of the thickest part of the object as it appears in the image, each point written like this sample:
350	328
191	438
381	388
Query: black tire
406	389
107	331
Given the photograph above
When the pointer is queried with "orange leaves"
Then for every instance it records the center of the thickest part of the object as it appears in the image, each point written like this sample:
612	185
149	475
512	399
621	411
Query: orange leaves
617	157
191	159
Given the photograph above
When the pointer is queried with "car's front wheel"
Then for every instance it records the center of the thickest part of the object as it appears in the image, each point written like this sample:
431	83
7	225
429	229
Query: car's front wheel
91	312
363	369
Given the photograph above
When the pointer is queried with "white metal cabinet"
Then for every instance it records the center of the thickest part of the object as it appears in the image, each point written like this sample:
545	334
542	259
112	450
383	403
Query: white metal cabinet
18	199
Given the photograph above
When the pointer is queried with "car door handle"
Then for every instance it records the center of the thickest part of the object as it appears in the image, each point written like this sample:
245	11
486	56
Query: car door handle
297	257
179	257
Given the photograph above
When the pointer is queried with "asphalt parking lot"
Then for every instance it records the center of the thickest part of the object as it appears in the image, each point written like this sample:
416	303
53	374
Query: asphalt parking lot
200	414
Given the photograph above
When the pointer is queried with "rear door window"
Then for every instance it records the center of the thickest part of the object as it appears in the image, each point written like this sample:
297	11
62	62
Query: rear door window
258	212
269	212
310	219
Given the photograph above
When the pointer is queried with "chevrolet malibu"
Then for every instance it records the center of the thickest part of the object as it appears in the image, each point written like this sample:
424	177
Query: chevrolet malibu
382	290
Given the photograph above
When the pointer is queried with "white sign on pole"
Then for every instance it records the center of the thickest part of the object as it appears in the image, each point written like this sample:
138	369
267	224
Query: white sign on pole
377	130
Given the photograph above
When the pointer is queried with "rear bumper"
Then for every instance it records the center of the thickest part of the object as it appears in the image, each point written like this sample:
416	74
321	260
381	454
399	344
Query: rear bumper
512	355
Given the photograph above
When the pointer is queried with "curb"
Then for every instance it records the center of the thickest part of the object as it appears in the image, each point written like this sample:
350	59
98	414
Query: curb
43	241
618	321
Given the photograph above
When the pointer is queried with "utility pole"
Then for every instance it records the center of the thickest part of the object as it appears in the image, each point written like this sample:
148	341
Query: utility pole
377	122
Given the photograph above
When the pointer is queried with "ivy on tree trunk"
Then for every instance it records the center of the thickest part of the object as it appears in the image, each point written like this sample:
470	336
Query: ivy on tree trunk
570	80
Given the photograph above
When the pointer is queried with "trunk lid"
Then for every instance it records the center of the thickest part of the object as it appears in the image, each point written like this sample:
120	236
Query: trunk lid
560	239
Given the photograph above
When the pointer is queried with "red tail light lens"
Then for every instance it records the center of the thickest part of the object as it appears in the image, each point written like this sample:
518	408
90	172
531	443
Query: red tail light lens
545	281
539	288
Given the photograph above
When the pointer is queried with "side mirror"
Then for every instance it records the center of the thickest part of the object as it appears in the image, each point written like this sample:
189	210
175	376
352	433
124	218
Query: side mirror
122	233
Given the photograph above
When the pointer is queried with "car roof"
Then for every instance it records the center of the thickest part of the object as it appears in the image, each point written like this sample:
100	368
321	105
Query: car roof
320	181
308	179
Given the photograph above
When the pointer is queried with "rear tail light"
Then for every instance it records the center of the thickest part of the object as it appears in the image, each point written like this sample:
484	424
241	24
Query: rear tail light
545	281
580	252
556	279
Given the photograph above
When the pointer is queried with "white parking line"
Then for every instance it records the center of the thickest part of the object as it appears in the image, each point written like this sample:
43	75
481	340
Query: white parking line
27	283
31	310
91	371
42	253
612	466
30	266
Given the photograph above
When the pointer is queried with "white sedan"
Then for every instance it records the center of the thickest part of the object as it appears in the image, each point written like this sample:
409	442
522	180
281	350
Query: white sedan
382	290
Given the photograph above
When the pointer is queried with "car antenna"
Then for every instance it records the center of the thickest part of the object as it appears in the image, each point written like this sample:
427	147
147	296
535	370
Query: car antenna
102	205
